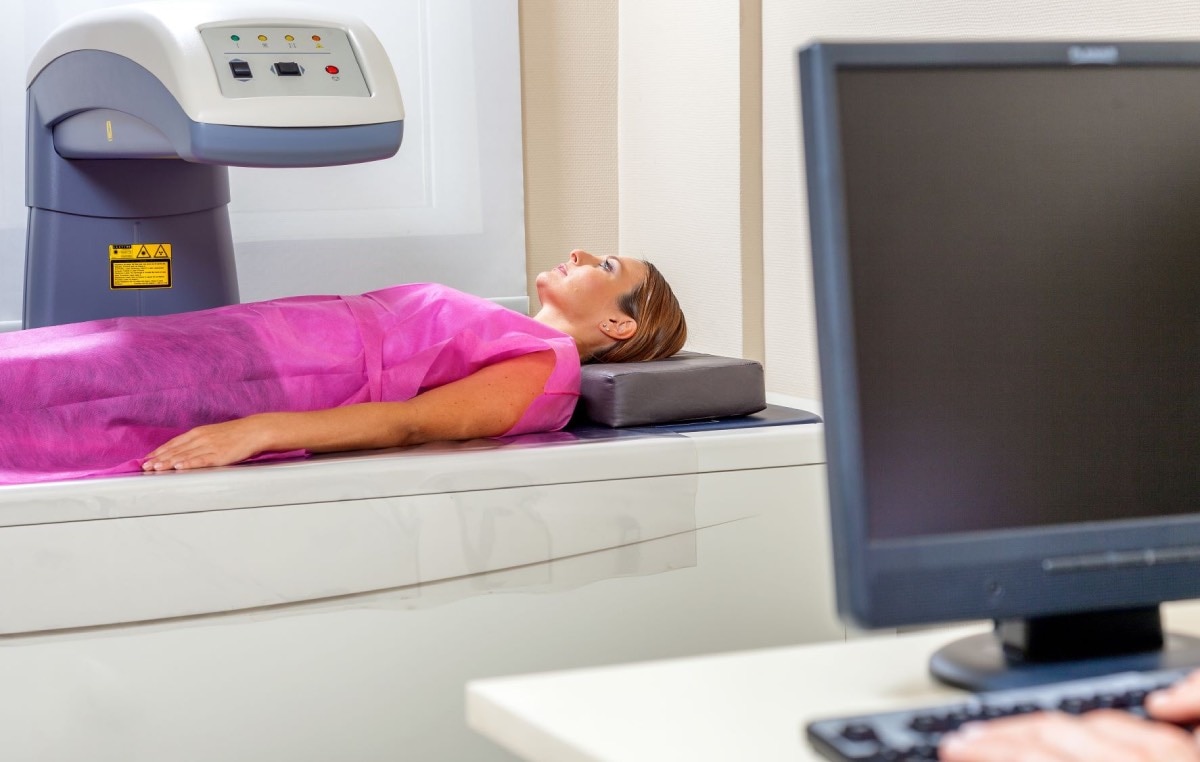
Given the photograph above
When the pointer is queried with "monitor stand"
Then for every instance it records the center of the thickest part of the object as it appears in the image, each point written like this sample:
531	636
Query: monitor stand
1038	650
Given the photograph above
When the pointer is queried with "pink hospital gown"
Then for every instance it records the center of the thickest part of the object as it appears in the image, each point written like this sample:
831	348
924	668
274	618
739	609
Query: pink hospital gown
94	398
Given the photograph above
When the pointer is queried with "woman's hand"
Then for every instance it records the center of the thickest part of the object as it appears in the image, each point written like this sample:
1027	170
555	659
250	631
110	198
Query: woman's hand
1100	736
1179	703
1106	735
217	444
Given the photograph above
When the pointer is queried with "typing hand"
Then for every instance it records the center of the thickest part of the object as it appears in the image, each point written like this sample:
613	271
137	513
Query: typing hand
1105	735
217	444
1179	703
1101	736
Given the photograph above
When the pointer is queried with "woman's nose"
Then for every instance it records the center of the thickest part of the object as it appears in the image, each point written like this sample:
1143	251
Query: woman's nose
579	255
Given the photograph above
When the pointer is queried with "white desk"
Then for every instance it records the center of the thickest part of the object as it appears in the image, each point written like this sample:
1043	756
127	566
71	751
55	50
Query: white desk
749	705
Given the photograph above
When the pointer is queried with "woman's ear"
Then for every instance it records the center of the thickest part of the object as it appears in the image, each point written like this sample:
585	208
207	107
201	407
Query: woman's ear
620	328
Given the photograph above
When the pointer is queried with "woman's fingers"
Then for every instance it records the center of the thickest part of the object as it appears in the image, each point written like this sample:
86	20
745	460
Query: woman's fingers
180	448
172	445
1103	736
182	458
214	445
1179	703
1154	740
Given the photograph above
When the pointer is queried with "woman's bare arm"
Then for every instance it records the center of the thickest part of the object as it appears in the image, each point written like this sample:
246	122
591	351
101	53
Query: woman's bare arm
484	404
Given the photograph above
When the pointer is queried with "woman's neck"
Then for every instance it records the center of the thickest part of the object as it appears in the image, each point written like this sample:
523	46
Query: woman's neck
560	322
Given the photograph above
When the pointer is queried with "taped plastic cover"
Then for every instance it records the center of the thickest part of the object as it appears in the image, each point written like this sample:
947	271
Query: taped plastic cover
426	525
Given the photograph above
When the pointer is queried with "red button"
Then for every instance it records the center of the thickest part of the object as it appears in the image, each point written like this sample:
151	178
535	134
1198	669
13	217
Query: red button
332	69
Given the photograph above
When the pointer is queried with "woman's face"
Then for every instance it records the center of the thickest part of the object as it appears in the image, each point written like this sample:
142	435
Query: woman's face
587	287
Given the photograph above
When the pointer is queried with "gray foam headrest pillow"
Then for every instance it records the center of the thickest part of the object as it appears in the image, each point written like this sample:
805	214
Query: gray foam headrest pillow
686	386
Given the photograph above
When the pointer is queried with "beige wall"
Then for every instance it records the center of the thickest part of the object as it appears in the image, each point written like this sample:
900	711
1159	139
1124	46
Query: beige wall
569	89
788	25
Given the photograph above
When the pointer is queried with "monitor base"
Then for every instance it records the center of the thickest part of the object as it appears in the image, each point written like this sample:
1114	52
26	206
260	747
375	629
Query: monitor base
978	663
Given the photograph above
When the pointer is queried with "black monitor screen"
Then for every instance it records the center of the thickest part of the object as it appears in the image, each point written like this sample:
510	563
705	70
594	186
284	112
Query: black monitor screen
1024	260
1006	265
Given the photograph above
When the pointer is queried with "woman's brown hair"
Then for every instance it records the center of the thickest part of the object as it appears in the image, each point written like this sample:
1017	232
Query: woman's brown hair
661	328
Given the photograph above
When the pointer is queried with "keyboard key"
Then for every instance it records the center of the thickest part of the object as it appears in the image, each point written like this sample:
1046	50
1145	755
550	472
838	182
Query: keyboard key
955	719
858	731
926	723
1137	697
1076	705
920	753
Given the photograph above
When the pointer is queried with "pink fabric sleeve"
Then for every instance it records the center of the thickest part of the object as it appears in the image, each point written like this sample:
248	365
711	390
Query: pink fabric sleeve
553	408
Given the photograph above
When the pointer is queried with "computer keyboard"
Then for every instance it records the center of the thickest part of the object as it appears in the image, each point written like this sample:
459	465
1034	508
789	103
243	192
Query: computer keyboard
912	735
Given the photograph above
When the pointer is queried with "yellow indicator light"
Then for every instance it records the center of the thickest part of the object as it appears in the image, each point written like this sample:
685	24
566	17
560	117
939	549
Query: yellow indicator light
289	38
262	38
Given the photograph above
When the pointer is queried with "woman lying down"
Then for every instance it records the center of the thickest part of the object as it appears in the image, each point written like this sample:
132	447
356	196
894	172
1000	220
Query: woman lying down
404	365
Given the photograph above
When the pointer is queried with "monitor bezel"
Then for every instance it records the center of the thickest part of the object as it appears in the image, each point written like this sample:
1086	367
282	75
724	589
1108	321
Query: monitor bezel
998	574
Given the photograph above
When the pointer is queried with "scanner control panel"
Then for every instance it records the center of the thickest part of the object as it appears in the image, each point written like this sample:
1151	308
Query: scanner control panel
262	61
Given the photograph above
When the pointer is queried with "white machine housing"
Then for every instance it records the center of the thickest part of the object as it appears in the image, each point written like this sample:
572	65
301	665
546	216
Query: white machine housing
134	114
192	60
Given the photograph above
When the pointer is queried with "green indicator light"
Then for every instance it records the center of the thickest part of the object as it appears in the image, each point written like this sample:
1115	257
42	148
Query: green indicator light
234	37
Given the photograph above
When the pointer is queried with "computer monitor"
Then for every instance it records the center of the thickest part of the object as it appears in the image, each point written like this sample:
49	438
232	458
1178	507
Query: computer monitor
1006	257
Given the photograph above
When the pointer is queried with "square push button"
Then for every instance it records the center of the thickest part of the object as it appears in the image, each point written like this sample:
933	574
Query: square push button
240	69
287	69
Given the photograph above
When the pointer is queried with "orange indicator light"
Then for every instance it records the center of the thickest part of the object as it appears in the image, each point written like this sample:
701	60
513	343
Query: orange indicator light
316	38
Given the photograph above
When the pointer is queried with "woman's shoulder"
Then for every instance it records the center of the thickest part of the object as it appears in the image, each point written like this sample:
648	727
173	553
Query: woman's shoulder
425	293
411	289
451	304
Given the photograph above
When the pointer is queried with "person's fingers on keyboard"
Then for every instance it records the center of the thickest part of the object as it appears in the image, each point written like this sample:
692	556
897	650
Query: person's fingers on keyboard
1155	741
1080	738
1179	703
999	741
1096	737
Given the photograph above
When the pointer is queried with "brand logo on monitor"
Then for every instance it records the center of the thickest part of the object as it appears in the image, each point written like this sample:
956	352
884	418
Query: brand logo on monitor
1092	54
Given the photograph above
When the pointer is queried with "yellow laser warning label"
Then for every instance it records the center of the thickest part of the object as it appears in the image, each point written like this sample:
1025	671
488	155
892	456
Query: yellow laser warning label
139	265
